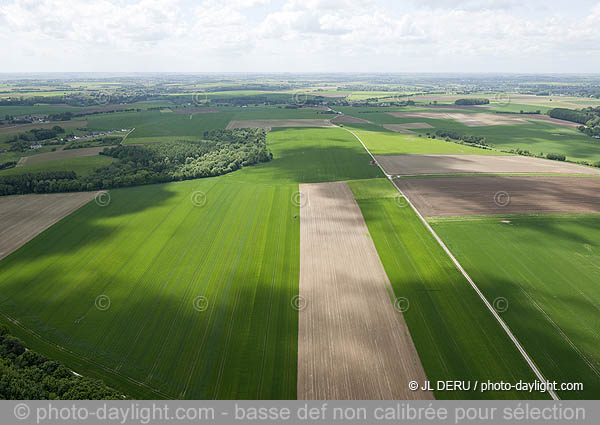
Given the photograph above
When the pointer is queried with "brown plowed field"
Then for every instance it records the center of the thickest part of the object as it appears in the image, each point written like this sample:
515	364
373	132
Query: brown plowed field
267	124
470	120
352	343
63	154
23	217
456	196
410	165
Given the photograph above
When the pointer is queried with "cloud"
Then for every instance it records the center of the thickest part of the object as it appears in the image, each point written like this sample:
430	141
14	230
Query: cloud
434	34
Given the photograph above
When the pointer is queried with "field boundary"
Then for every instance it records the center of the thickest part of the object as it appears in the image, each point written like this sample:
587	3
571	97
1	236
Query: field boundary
502	323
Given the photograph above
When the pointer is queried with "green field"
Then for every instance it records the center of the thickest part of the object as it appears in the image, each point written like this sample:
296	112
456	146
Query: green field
382	142
83	166
456	337
548	269
536	136
153	252
311	155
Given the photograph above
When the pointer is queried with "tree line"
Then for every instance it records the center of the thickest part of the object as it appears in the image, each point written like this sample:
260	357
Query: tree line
588	117
27	375
467	138
472	101
222	151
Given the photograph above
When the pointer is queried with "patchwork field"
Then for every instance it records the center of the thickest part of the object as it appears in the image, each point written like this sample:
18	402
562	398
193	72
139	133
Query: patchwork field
353	344
457	196
23	217
455	335
190	289
409	165
226	324
546	269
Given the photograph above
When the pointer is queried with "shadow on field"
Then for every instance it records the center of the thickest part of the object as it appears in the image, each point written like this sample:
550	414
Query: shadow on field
86	225
554	327
241	343
344	159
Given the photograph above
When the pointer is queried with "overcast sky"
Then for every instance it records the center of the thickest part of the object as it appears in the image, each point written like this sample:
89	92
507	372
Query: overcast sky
300	35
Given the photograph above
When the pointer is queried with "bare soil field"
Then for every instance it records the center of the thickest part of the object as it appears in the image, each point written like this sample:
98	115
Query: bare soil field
21	128
399	128
470	120
347	119
196	111
457	196
23	217
268	124
62	154
412	165
352	343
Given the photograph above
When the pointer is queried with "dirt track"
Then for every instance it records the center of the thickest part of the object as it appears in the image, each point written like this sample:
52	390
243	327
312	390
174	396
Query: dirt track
63	154
455	196
23	217
410	165
352	343
267	124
